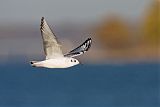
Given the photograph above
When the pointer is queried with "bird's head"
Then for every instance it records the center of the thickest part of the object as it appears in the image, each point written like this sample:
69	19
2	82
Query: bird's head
72	61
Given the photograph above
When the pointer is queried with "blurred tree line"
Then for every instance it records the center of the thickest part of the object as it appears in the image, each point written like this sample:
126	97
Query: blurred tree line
151	24
116	33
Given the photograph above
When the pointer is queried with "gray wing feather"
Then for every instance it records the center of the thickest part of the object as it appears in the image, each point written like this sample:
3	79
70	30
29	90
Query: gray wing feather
80	49
51	47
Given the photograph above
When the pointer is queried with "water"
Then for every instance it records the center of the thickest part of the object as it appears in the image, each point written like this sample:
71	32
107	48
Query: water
132	85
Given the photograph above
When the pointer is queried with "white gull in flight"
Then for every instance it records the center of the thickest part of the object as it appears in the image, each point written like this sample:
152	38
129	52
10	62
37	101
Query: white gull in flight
53	52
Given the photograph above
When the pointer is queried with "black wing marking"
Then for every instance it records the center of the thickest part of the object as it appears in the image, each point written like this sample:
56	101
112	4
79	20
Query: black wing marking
80	49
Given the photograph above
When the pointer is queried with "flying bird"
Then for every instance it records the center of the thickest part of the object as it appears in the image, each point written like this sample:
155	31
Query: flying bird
52	49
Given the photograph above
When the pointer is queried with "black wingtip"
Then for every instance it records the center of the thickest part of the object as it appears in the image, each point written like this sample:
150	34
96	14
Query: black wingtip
42	18
89	44
42	21
89	39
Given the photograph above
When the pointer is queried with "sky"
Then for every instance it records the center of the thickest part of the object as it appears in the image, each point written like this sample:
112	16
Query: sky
27	41
74	10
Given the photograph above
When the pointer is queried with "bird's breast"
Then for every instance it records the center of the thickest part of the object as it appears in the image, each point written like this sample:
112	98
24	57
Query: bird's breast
55	63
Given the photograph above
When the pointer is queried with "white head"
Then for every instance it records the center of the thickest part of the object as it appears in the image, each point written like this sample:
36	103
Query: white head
72	61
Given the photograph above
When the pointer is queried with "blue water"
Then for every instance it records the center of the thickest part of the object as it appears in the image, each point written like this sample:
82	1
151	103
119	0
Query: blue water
131	85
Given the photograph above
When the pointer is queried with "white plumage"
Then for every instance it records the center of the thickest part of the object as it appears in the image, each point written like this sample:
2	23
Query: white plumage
53	52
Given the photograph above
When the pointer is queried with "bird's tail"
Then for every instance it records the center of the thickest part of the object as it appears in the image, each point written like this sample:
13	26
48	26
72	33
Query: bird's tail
33	63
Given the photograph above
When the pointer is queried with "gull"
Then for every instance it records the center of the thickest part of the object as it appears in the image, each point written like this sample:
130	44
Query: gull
52	49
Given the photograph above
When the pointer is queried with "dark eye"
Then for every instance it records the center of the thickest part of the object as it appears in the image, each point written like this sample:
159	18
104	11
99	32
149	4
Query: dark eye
74	60
71	60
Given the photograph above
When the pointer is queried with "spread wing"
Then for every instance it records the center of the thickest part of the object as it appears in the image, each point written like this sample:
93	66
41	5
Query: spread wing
51	47
80	49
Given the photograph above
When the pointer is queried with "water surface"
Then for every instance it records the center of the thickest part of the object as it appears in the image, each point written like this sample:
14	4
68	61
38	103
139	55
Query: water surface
131	85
